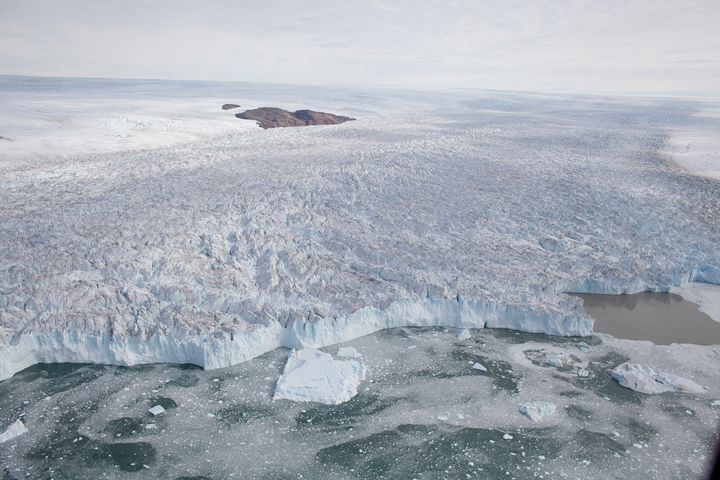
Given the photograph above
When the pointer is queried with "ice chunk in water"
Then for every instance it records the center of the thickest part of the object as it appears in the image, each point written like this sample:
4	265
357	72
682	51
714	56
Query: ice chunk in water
558	360
644	379
478	366
157	410
464	334
16	429
314	376
537	411
348	352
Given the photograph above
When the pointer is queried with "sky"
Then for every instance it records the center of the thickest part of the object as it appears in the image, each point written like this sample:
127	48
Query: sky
605	46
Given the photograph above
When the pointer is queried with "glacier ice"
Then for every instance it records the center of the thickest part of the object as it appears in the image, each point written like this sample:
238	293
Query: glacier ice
314	376
15	429
462	210
645	379
537	411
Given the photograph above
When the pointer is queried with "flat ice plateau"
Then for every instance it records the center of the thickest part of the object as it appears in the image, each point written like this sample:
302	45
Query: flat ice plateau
463	209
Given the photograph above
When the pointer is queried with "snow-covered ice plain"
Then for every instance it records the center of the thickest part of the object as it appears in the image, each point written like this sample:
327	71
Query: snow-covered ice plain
221	242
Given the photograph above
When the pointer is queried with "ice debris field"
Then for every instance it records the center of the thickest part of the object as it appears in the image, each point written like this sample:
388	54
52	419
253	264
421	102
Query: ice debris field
220	242
423	412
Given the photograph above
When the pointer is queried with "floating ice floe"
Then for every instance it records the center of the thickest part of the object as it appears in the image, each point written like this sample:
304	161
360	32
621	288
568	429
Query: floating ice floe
314	376
644	379
478	366
348	352
558	360
583	372
15	429
464	335
537	411
156	410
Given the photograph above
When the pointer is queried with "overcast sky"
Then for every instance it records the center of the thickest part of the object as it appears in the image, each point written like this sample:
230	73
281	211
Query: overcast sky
634	46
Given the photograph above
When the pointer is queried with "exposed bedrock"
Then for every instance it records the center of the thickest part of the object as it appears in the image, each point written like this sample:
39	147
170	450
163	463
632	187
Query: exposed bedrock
270	117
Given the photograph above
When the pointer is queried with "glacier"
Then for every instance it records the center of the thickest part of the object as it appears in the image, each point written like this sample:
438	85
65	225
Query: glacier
464	209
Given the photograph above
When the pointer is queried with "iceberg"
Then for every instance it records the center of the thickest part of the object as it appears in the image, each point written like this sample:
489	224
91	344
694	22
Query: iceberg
558	360
314	376
156	410
537	411
15	429
644	379
480	367
464	335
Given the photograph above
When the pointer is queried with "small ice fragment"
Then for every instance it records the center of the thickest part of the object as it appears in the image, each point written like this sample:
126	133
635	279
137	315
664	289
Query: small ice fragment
584	347
464	335
442	418
411	347
583	372
150	426
15	429
537	411
715	403
541	457
156	410
644	379
480	367
460	416
637	445
616	434
348	352
507	437
558	360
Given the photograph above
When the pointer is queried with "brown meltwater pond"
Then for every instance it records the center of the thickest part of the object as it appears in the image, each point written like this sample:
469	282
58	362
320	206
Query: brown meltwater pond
662	318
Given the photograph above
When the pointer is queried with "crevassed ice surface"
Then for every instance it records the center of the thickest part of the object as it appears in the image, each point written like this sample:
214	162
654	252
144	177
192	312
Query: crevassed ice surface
489	202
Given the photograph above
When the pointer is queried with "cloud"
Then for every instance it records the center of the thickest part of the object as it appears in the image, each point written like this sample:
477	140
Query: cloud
637	45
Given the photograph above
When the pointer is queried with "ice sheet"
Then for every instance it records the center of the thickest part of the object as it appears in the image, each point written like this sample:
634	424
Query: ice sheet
462	209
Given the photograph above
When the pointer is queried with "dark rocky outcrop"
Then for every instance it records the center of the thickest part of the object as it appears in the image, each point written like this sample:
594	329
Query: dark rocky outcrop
229	106
269	117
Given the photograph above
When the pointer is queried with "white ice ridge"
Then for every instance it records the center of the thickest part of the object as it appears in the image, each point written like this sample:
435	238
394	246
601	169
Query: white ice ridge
211	353
644	379
16	429
314	376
